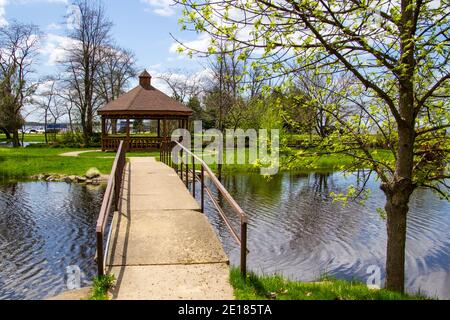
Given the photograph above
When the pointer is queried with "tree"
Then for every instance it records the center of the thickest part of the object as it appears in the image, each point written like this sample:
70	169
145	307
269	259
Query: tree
396	50
183	84
50	103
90	37
18	46
116	69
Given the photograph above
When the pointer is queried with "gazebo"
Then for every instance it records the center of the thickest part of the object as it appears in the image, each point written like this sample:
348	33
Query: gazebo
154	116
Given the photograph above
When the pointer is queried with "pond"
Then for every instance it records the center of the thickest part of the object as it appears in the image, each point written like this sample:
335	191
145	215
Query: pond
46	228
296	230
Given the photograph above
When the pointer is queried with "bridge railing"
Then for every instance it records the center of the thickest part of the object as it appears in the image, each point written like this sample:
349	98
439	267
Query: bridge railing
183	169
110	201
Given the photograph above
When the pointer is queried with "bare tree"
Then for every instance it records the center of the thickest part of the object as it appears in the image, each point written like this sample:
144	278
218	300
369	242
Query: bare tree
183	84
117	67
90	35
18	46
50	102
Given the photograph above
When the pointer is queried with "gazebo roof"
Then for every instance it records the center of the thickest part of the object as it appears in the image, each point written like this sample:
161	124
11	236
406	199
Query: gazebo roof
144	100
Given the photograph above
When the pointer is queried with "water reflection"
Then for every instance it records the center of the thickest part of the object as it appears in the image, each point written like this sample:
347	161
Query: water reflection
44	228
296	229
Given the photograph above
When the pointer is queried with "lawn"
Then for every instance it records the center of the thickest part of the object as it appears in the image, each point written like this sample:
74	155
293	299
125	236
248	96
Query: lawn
275	287
25	162
29	137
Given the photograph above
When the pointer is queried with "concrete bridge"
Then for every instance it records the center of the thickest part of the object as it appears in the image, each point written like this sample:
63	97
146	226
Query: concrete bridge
159	244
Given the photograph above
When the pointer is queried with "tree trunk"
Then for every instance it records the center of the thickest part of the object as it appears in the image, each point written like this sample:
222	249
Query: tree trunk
16	139
6	132
397	198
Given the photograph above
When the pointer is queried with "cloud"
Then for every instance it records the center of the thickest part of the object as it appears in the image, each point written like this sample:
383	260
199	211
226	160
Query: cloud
3	21
54	26
200	44
56	48
4	3
162	8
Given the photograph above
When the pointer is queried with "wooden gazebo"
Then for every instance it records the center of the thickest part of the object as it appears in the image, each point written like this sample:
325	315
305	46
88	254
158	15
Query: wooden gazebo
143	103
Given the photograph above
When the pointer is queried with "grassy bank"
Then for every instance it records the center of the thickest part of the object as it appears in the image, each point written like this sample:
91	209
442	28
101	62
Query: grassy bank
277	288
24	162
21	163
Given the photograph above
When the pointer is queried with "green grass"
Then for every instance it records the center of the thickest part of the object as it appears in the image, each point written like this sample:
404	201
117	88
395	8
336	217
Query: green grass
100	287
29	137
25	162
275	287
311	160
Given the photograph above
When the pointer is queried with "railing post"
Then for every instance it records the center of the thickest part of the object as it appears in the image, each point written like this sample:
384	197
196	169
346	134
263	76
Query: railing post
202	188
193	177
100	267
244	246
181	164
187	170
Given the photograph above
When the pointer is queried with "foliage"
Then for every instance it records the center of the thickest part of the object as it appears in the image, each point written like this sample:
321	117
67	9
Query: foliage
396	56
101	285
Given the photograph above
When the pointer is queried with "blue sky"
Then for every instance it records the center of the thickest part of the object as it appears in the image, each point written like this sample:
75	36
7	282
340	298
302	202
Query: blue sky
144	26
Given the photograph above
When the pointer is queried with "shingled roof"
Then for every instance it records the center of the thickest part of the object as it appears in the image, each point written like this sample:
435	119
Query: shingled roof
144	100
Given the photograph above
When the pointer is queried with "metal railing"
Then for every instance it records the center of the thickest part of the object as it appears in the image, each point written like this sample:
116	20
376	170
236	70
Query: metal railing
183	170
110	200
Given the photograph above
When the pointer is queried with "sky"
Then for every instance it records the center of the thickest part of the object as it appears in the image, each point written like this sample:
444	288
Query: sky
143	26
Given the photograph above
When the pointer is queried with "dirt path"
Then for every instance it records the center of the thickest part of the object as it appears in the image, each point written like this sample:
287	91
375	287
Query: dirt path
77	153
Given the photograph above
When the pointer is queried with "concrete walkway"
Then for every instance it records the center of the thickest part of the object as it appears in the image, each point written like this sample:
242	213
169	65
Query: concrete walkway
77	153
162	246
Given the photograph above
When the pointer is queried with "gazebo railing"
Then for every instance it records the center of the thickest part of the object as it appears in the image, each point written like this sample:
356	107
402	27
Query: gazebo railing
184	172
110	143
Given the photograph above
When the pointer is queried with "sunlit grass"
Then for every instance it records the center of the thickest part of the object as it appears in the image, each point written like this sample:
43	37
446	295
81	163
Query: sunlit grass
275	287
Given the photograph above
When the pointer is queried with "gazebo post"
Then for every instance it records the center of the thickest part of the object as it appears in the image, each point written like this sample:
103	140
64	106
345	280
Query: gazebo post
159	128
128	134
103	132
114	126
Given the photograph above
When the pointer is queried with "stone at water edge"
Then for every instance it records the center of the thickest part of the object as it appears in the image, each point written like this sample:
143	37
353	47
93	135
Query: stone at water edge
81	179
92	173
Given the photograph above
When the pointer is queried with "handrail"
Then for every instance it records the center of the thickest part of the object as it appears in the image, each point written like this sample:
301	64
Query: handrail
166	157
111	197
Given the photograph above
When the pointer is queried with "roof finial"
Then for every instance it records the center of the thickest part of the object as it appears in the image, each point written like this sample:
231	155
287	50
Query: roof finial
145	80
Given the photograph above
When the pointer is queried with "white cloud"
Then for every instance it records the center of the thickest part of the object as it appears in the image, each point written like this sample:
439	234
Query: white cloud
54	26
56	48
162	8
3	21
200	44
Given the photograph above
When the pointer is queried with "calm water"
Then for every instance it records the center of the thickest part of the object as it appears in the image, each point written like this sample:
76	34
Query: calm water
45	228
296	229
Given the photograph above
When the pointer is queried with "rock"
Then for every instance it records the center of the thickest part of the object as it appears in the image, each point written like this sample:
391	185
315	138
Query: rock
49	179
92	173
70	179
88	181
81	179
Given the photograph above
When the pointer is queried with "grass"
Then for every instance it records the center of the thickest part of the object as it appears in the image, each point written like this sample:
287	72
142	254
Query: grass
101	285
29	137
275	287
20	163
25	162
